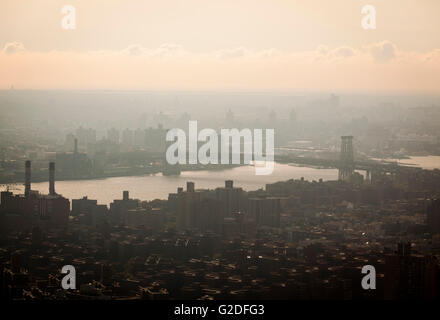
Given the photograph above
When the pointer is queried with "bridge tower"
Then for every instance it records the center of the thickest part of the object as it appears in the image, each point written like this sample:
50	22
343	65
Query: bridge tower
346	161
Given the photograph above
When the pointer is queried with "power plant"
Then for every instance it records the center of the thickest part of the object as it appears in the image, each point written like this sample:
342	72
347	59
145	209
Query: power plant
52	178
27	178
32	208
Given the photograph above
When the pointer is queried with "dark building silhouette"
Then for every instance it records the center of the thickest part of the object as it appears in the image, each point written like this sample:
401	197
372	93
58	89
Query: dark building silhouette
410	276
32	208
231	198
346	165
52	178
27	179
119	207
265	212
433	216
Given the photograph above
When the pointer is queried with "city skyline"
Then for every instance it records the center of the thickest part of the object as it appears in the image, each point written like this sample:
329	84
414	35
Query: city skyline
218	154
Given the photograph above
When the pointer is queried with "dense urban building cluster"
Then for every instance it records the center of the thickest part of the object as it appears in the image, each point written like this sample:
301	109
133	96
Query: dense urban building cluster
296	239
130	139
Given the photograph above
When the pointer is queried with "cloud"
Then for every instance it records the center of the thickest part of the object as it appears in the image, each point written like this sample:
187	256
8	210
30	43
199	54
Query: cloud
168	50
13	47
269	53
134	50
383	52
344	52
164	50
232	53
433	56
137	67
322	50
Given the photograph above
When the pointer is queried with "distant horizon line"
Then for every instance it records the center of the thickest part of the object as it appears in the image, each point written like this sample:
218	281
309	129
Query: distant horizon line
296	92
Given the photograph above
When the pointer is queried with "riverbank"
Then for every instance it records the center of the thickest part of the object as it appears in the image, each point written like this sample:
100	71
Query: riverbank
127	173
157	186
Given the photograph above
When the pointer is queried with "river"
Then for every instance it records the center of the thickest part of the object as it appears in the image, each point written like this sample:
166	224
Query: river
425	162
149	187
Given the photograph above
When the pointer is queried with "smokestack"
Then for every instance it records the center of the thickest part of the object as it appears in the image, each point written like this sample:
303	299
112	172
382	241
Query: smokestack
27	178
229	184
52	178
190	186
76	146
125	195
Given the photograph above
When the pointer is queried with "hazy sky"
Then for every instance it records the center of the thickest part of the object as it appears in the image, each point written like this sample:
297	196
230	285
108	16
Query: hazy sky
221	45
